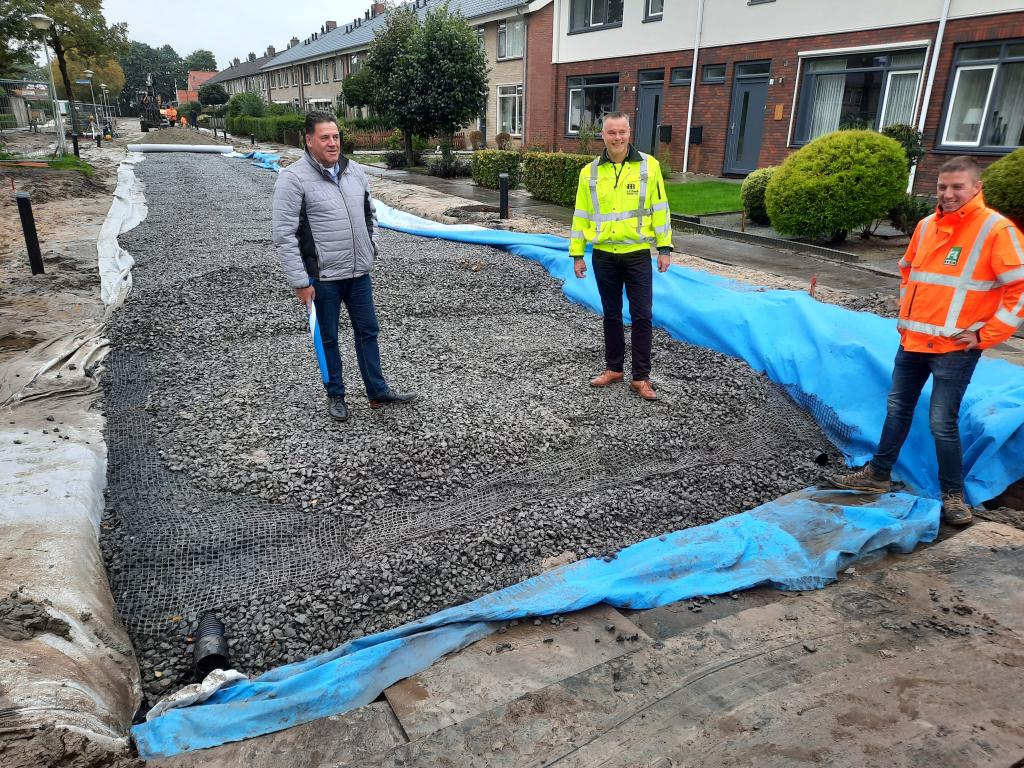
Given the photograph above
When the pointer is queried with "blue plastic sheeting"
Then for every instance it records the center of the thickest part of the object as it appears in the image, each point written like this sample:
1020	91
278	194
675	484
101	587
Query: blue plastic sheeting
266	160
842	358
318	342
800	541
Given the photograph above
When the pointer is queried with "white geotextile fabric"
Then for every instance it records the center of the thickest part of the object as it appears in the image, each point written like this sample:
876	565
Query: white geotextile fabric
197	692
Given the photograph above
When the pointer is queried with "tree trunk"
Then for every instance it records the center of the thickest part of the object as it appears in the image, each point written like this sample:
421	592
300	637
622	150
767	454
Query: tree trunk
58	50
446	146
407	136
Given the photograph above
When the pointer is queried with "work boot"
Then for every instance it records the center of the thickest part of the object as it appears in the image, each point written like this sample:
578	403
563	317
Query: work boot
866	479
390	397
644	389
606	378
955	510
336	407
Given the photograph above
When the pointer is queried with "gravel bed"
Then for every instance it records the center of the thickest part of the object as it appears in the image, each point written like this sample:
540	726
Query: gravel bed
230	489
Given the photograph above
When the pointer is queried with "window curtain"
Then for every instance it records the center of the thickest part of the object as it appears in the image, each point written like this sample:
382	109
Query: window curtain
967	111
1006	123
900	98
514	39
828	104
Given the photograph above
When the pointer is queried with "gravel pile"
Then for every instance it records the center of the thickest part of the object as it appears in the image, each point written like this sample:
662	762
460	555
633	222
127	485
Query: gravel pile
230	489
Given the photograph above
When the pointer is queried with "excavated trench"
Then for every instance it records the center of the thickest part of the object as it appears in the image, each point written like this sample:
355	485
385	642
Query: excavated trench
229	488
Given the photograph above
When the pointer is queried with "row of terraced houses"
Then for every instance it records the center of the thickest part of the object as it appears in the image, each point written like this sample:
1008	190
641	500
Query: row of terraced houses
715	86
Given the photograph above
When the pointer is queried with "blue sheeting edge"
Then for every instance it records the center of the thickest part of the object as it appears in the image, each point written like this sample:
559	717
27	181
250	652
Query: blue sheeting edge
800	541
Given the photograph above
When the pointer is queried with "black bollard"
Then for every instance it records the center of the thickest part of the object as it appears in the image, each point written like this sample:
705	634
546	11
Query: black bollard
99	140
503	195
252	138
28	226
74	143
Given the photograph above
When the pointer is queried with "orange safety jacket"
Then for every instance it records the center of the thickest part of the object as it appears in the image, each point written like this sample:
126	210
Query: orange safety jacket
962	271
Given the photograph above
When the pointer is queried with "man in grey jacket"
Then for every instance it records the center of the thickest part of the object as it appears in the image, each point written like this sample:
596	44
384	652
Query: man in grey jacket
323	226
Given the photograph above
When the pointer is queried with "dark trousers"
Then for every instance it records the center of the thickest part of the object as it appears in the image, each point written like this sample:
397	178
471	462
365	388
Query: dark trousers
632	271
951	373
357	296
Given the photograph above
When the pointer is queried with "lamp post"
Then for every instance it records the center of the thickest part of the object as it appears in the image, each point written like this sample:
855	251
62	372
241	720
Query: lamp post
42	22
106	104
95	112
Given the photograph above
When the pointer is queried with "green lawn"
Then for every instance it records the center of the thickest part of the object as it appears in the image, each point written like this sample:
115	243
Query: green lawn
699	198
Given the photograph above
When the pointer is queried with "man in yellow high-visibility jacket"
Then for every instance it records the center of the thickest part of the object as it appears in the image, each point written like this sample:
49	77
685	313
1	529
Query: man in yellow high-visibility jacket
621	208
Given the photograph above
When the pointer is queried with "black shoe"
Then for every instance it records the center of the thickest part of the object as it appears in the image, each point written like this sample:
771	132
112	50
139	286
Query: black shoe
392	398
955	509
336	407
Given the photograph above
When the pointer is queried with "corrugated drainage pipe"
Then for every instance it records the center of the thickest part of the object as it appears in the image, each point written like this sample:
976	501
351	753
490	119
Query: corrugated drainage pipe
205	148
211	647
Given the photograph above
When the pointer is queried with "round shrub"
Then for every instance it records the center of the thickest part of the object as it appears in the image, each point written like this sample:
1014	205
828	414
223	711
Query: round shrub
836	183
1004	186
752	193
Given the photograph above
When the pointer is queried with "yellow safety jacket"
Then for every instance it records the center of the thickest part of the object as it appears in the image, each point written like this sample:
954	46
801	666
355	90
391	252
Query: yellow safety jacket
621	207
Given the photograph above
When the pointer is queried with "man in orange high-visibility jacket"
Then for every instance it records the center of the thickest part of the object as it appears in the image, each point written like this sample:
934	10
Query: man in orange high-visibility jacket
962	292
172	115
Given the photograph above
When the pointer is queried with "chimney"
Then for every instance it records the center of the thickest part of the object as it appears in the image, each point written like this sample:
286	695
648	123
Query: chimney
376	9
366	15
294	42
271	51
252	56
235	62
331	26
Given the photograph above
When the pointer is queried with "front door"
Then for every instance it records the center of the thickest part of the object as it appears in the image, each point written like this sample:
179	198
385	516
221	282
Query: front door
746	123
649	115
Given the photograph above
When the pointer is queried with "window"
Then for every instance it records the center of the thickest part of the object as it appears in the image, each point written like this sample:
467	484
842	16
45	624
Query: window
307	74
586	15
858	90
338	68
713	73
481	37
355	63
681	76
985	106
510	109
654	10
590	99
510	39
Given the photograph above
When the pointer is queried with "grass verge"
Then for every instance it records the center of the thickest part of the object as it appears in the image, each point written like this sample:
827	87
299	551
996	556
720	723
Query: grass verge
701	198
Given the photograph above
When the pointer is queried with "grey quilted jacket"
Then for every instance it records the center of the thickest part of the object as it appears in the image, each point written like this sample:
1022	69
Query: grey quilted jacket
322	229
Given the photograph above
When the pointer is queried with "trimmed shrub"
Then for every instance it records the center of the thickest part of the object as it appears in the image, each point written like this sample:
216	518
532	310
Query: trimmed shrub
476	140
246	104
752	193
1004	186
909	211
838	182
911	139
503	141
488	163
395	158
553	176
268	128
448	167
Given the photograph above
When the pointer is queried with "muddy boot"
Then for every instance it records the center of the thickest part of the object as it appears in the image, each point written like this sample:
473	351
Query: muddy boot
955	510
865	479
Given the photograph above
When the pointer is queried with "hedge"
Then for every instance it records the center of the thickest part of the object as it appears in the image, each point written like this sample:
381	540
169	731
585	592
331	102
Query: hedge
266	128
1004	186
489	163
752	192
837	183
553	176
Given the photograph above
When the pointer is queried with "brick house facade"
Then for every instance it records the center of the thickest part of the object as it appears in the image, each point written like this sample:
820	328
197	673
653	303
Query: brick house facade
548	103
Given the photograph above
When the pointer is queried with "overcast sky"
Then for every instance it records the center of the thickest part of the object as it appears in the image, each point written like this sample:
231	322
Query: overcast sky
228	29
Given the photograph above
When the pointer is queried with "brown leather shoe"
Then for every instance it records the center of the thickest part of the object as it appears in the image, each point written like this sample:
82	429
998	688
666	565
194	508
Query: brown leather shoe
606	378
644	389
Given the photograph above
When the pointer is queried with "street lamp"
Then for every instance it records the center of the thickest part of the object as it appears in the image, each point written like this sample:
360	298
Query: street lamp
106	106
95	112
42	23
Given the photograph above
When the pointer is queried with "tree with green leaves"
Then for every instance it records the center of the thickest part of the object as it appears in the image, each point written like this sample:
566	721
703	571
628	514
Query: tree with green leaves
140	60
80	30
212	94
430	78
201	60
20	39
359	89
106	71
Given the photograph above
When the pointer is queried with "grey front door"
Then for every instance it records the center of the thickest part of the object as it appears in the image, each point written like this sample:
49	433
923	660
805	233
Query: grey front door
746	123
649	107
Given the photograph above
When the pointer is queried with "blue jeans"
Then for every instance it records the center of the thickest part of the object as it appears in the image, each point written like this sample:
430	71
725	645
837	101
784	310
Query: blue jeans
951	373
357	296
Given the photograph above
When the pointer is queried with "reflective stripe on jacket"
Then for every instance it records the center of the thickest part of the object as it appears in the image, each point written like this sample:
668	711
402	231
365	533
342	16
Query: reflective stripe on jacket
624	212
962	271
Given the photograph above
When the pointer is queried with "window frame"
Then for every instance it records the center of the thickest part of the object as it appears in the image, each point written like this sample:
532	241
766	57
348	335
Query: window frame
582	87
502	40
518	108
307	74
997	65
706	80
650	16
579	28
